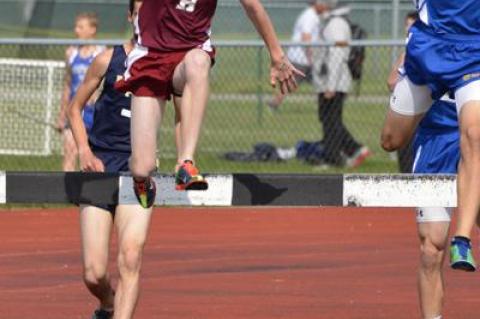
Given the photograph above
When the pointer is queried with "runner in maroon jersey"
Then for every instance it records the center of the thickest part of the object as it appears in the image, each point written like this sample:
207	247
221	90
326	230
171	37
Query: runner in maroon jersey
173	56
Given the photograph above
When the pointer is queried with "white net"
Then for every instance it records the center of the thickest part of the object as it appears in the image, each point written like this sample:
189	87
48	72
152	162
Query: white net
30	93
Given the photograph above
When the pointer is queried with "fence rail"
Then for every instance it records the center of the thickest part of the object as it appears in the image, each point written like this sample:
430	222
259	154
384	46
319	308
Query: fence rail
220	43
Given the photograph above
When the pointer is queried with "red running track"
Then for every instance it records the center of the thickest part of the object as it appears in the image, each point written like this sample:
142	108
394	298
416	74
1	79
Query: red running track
233	263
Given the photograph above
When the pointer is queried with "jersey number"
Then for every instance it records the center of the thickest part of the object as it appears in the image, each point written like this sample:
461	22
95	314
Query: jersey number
187	5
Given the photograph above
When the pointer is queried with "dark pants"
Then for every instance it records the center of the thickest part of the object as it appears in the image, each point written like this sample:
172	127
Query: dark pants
336	137
405	159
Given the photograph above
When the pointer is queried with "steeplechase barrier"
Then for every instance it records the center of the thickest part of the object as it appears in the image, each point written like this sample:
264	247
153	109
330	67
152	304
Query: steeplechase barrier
358	190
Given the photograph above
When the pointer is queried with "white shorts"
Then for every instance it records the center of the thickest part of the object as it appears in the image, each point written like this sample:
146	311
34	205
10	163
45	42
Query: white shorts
410	99
434	214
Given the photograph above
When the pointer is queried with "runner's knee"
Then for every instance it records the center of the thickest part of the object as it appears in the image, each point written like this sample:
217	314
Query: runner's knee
94	275
471	135
431	254
130	259
391	140
142	166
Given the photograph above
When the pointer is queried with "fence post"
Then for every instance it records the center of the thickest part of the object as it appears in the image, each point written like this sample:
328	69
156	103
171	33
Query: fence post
47	149
260	80
395	27
376	34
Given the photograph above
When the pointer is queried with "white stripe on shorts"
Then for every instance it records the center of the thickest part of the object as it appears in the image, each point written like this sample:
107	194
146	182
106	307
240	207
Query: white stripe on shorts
137	53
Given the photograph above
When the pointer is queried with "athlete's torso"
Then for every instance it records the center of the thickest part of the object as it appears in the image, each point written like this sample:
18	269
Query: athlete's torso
111	125
78	67
307	22
442	117
450	16
174	25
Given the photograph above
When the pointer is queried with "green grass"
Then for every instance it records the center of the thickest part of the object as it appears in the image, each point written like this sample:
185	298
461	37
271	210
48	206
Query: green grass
236	126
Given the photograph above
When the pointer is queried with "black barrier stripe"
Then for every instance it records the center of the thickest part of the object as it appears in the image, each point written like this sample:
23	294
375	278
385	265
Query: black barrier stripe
287	190
248	189
55	187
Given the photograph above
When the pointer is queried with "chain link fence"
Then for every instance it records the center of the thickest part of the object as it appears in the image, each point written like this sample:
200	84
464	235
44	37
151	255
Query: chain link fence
54	18
240	128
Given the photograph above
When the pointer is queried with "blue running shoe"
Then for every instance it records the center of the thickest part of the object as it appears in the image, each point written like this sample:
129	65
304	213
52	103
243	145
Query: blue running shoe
461	255
102	314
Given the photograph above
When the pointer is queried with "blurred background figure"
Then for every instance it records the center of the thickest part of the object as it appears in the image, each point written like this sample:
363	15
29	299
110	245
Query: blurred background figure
405	155
332	81
77	59
305	31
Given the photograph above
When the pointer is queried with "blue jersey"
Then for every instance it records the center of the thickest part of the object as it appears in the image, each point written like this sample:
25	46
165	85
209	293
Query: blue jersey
441	118
437	141
78	68
111	124
450	16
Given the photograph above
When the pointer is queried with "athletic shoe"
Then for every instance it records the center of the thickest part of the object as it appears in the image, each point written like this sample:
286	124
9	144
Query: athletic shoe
102	314
189	178
461	255
145	191
358	157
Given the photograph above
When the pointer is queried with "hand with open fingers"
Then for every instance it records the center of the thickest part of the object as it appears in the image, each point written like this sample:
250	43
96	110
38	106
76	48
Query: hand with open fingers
90	163
283	72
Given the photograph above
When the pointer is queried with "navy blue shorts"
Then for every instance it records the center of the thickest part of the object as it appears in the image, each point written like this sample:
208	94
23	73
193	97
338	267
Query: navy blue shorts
114	162
445	63
436	153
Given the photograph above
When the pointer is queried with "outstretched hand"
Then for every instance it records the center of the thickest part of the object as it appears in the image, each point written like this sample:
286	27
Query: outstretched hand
283	72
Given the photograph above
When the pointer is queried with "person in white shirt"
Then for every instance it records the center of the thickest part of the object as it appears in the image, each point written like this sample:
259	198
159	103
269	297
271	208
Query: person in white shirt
306	30
332	80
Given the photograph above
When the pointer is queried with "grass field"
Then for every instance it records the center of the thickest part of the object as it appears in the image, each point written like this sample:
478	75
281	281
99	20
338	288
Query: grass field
236	126
236	118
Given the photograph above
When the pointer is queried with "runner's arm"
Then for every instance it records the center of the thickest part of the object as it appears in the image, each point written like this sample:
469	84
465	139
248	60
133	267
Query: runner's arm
281	69
92	81
65	98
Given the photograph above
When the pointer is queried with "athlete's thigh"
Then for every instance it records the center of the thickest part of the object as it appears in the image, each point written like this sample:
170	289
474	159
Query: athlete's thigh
179	79
398	130
408	104
132	223
146	117
95	228
194	59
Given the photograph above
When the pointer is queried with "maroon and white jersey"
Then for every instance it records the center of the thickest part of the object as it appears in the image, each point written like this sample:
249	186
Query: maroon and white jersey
175	25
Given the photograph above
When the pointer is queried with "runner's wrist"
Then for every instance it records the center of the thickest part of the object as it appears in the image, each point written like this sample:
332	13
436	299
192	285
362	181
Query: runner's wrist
277	57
